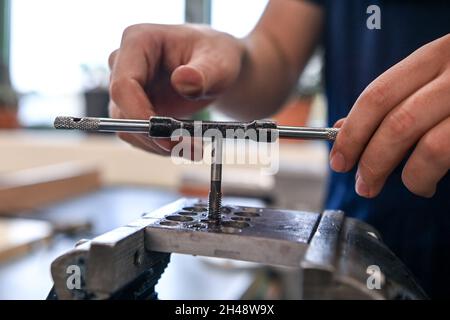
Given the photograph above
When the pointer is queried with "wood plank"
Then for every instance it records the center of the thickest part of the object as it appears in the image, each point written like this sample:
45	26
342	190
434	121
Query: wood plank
19	236
34	188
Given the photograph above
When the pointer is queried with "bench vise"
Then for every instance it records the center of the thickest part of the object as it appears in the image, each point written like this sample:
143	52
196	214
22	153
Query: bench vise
338	257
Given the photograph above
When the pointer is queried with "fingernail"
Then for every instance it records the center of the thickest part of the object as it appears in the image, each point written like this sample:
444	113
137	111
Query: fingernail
361	187
162	146
190	90
337	162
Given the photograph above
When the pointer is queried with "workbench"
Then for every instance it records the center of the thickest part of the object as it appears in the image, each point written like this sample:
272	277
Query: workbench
28	277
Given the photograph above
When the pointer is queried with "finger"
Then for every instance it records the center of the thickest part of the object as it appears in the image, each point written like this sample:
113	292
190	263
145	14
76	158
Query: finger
398	132
339	123
134	66
380	97
138	140
112	59
206	74
429	162
196	149
159	146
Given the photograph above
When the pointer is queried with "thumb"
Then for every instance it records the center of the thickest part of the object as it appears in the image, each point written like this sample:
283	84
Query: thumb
189	81
339	123
206	75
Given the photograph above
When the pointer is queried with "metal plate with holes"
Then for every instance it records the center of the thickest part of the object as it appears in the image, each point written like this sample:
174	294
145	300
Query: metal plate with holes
263	235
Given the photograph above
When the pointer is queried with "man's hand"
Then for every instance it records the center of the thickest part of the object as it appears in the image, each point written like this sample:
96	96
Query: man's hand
170	71
406	107
177	70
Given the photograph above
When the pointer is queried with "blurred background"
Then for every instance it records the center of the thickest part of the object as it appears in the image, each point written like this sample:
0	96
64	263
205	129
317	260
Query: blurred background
58	187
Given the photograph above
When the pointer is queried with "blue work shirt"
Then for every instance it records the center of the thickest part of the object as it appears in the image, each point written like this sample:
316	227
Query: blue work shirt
415	228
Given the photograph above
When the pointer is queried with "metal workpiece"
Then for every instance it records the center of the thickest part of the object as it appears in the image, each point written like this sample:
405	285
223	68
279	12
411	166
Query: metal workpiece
165	127
268	236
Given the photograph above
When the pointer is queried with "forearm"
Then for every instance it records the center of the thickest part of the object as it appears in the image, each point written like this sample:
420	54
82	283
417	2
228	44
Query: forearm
274	55
263	84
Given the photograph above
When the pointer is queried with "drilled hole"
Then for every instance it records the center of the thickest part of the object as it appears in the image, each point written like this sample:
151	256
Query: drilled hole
226	210
235	224
248	214
180	218
195	209
168	223
187	213
240	219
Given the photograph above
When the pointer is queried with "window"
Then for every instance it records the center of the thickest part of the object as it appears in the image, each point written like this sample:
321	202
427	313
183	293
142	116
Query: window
236	17
60	48
54	42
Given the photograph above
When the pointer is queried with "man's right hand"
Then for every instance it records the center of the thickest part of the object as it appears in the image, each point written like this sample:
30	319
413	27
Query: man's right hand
170	71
